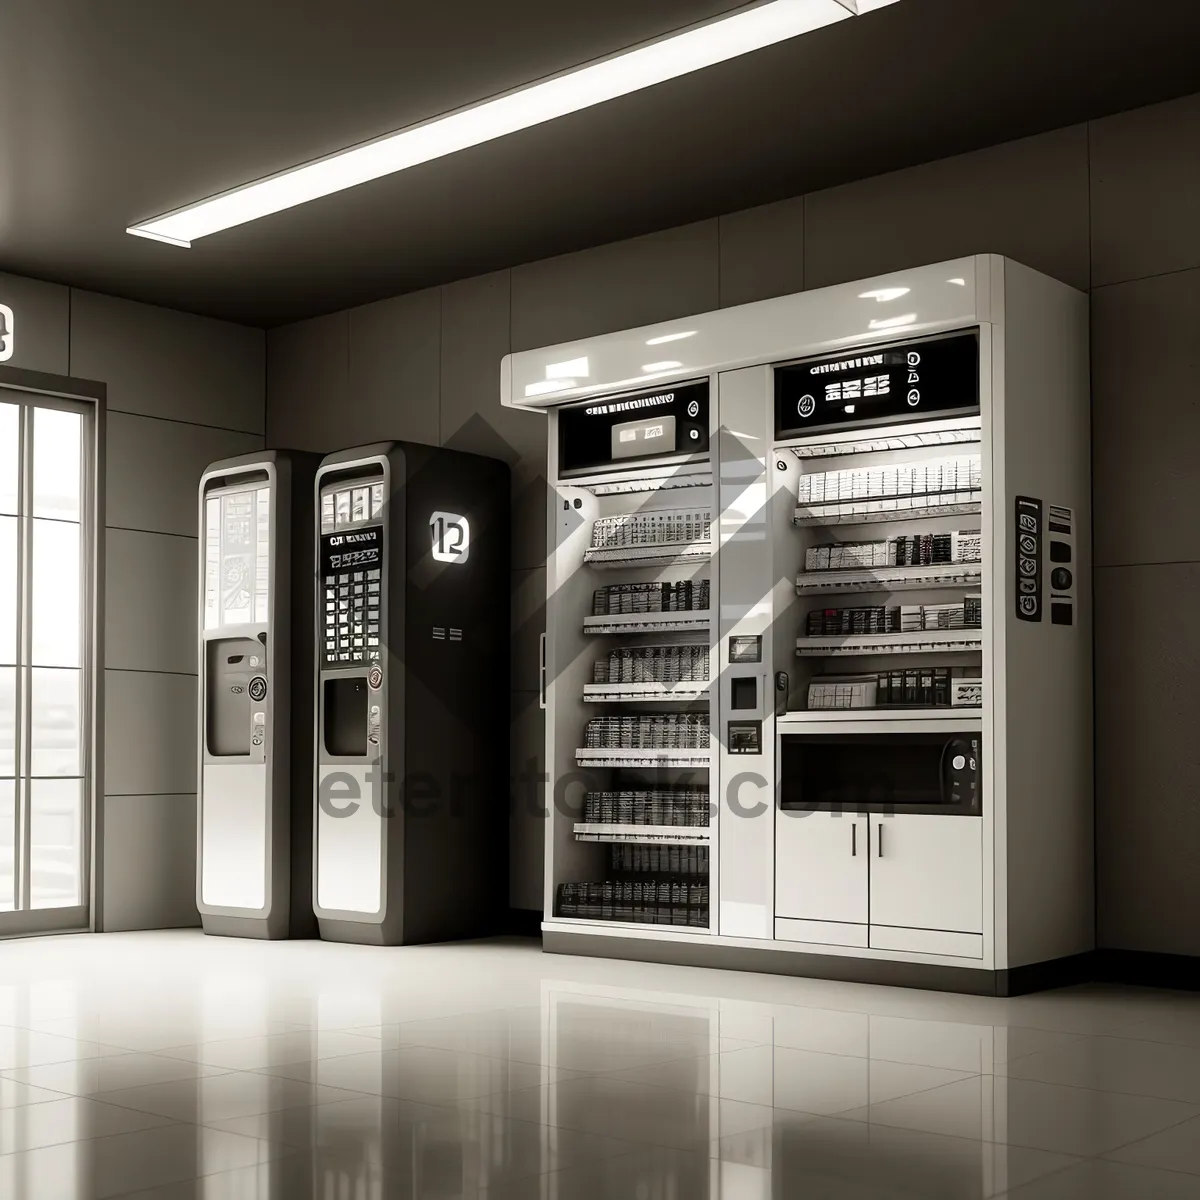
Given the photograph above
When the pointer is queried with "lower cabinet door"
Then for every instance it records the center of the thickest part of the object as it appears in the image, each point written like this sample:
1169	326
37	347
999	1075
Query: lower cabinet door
927	872
821	867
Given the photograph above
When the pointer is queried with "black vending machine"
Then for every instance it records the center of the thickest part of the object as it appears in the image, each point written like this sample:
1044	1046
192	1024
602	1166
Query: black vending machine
412	650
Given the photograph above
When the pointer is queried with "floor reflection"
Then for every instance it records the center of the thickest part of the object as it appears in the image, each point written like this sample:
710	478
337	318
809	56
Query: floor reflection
171	1066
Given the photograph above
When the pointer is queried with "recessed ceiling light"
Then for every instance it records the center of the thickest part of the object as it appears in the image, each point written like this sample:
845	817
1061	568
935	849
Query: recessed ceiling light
668	365
693	49
884	294
670	337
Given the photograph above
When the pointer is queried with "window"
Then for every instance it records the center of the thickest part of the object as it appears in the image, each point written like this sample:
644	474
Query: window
45	671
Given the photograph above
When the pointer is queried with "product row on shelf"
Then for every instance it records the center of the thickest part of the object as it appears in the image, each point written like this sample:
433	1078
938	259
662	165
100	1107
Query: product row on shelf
648	806
911	687
920	549
900	479
658	731
653	664
898	492
896	618
633	859
660	528
624	598
650	902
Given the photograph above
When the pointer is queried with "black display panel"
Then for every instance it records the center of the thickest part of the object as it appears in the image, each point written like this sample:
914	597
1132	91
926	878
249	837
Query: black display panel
881	385
620	429
355	549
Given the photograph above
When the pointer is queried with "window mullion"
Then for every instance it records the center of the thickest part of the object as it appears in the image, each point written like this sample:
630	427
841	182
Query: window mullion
24	648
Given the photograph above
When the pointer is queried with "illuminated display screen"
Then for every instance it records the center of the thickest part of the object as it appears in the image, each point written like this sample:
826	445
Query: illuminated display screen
672	419
881	385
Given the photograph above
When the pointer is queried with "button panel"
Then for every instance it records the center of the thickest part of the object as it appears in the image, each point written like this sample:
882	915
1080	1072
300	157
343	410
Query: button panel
351	606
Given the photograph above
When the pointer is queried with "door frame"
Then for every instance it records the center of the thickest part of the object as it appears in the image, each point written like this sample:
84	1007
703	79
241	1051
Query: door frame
89	916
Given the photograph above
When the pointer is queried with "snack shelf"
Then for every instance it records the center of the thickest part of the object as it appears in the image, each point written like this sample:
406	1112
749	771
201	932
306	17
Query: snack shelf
952	432
888	509
889	579
935	641
686	621
664	835
598	756
654	554
969	717
613	693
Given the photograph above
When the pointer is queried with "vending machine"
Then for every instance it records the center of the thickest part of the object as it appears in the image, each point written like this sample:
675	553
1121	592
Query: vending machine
818	643
412	633
254	816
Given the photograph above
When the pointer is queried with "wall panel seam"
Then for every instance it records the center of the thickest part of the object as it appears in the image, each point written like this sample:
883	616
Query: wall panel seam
126	412
152	671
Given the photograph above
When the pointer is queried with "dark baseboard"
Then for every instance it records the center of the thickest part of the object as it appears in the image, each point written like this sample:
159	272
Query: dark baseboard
1130	967
524	922
1038	977
1144	968
927	976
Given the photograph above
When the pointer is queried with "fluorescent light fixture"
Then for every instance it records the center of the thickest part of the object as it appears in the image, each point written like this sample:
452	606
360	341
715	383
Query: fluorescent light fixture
668	365
565	370
883	295
958	282
547	386
671	57
862	7
893	322
670	337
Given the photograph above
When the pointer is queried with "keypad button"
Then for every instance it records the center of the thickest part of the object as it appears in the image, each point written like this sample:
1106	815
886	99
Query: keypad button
373	574
357	576
372	641
343	579
373	587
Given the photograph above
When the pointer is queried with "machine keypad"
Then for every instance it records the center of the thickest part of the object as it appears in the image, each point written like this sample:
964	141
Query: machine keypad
352	613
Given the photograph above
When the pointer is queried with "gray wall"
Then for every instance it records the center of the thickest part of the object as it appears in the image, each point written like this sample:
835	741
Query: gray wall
182	391
1109	206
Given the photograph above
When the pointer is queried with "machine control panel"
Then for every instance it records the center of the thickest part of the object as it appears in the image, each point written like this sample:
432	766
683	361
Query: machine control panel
351	584
351	607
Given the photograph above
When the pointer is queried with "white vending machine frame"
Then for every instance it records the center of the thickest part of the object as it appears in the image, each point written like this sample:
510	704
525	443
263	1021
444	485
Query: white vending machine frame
1034	826
253	840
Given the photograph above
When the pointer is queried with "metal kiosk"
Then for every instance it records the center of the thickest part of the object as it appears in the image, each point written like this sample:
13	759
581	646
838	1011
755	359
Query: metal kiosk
254	819
412	629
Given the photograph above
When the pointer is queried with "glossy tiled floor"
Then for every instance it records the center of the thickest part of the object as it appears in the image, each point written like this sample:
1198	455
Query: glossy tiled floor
167	1066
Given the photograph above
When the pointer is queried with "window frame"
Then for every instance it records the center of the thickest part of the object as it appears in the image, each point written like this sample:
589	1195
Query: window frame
31	390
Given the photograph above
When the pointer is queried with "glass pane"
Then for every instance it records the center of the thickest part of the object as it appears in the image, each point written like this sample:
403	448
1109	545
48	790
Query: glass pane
8	589
54	722
55	594
56	464
56	829
8	721
9	443
8	841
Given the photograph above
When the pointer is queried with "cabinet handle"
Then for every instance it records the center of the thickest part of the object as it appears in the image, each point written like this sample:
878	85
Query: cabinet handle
542	671
854	840
880	839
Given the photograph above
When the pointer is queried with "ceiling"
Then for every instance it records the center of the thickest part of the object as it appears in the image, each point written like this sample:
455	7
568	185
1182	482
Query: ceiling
117	111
